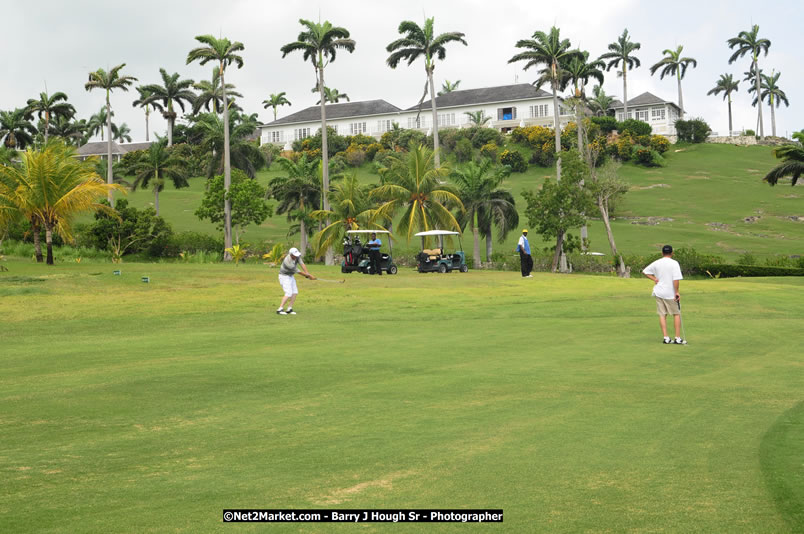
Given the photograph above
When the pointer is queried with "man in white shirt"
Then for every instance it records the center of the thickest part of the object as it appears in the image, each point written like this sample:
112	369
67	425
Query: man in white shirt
289	267
525	259
666	274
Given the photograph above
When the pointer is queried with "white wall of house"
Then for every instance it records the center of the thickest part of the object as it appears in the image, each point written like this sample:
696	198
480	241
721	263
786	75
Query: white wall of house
661	117
504	116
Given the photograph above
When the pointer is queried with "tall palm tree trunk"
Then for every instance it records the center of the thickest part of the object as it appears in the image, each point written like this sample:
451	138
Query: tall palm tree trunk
476	238
47	124
559	251
773	117
35	228
156	199
625	92
302	229
488	244
557	129
759	99
170	131
680	97
604	213
579	127
227	174
109	176
435	119
329	256
49	241
731	128
147	128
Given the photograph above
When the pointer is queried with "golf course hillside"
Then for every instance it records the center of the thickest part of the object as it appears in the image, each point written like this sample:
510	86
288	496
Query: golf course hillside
150	407
707	197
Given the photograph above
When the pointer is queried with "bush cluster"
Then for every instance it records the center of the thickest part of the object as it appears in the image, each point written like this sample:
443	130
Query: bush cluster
693	130
722	270
514	159
489	150
463	150
634	127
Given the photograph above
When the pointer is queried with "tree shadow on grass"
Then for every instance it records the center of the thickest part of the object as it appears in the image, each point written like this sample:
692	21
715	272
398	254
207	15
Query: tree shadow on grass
780	456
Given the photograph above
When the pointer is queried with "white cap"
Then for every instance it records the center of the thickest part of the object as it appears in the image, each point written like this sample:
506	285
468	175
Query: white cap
294	252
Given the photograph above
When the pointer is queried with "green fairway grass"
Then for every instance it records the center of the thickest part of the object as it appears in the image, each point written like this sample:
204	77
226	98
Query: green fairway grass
700	199
133	407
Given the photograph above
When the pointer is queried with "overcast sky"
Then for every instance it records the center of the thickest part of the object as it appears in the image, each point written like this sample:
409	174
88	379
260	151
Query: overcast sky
58	43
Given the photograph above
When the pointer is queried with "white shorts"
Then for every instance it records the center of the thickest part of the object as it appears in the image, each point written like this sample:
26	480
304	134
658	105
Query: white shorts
288	284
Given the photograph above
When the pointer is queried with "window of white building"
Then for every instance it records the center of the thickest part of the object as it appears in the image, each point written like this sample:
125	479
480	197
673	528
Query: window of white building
357	128
642	115
446	119
420	123
383	125
301	133
506	114
539	110
278	137
657	114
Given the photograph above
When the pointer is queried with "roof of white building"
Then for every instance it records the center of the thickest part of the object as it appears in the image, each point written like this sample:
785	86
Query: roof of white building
645	99
338	111
99	148
485	95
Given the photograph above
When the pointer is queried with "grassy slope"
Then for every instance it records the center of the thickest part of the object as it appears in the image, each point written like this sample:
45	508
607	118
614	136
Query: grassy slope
150	407
707	184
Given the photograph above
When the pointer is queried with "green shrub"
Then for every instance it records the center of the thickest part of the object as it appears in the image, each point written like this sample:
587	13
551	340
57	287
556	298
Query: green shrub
449	137
752	133
569	137
463	150
693	262
355	155
193	242
747	259
270	152
721	270
647	156
337	163
635	127
659	143
489	150
335	143
482	136
513	159
384	159
780	261
693	130
360	140
372	149
137	230
607	124
624	147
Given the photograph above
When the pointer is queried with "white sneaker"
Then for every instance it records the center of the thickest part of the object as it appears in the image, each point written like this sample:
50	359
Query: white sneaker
529	276
280	311
291	312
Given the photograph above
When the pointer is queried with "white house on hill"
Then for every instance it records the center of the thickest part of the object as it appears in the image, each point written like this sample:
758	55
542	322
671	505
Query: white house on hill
508	106
660	114
99	148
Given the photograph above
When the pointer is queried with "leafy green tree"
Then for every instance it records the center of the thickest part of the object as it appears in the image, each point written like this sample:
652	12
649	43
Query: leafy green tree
97	124
559	206
580	70
276	100
502	213
331	95
773	94
210	96
297	192
600	101
145	103
448	87
109	81
477	185
319	43
351	209
414	184
50	107
246	198
51	186
748	42
122	133
223	52
792	166
17	130
244	155
477	118
799	136
421	41
727	85
621	53
69	130
552	53
173	91
672	64
158	165
127	230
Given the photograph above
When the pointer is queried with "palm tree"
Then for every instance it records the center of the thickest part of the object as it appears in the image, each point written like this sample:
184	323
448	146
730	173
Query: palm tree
351	209
97	124
620	52
727	85
52	186
792	166
224	53
673	64
71	131
144	102
276	100
297	191
773	94
319	43
600	102
49	107
109	81
173	90
552	53
160	163
580	70
414	184
333	96
210	96
477	118
121	133
421	41
748	42
243	155
477	185
500	212
17	130
448	87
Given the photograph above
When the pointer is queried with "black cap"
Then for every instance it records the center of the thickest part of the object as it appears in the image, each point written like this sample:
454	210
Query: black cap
667	249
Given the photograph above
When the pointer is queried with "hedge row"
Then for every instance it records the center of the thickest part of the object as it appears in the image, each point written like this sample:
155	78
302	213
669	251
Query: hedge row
732	271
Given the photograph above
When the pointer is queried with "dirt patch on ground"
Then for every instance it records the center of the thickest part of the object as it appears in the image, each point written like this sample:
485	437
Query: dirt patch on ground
648	221
752	219
752	170
344	494
795	218
650	186
697	177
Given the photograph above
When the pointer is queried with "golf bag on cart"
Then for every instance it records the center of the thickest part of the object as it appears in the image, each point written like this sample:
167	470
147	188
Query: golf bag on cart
352	250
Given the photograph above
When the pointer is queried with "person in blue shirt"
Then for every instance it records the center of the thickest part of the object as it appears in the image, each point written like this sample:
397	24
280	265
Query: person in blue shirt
525	259
374	254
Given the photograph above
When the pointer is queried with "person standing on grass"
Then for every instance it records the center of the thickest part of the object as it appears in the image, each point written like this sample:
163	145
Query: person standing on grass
525	259
666	275
374	254
289	267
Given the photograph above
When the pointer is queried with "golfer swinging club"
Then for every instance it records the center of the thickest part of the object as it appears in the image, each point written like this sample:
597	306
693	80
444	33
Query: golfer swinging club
525	259
290	266
666	275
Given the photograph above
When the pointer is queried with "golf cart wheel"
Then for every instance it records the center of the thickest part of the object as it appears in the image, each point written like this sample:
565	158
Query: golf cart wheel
343	269
442	268
392	269
464	268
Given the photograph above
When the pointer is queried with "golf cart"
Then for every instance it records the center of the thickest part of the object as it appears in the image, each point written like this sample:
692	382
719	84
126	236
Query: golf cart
356	254
432	260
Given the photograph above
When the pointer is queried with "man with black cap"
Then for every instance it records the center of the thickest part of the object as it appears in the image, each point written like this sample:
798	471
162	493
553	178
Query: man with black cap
289	267
374	254
666	275
525	259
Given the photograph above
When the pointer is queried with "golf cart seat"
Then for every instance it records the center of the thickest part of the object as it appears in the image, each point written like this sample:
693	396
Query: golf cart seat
432	254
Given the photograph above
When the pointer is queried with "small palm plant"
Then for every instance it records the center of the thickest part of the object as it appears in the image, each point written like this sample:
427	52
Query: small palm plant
237	252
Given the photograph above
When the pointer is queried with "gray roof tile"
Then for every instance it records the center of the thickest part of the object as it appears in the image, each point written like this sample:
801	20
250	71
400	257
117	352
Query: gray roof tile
338	111
485	95
645	99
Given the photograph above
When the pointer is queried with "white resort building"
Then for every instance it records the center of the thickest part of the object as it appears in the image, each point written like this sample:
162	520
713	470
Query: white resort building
647	107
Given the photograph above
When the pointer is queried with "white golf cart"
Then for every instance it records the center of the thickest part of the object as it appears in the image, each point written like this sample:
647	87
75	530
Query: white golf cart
436	260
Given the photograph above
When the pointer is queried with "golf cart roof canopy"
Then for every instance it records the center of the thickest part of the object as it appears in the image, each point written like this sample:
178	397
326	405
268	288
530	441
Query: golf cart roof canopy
368	232
435	232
